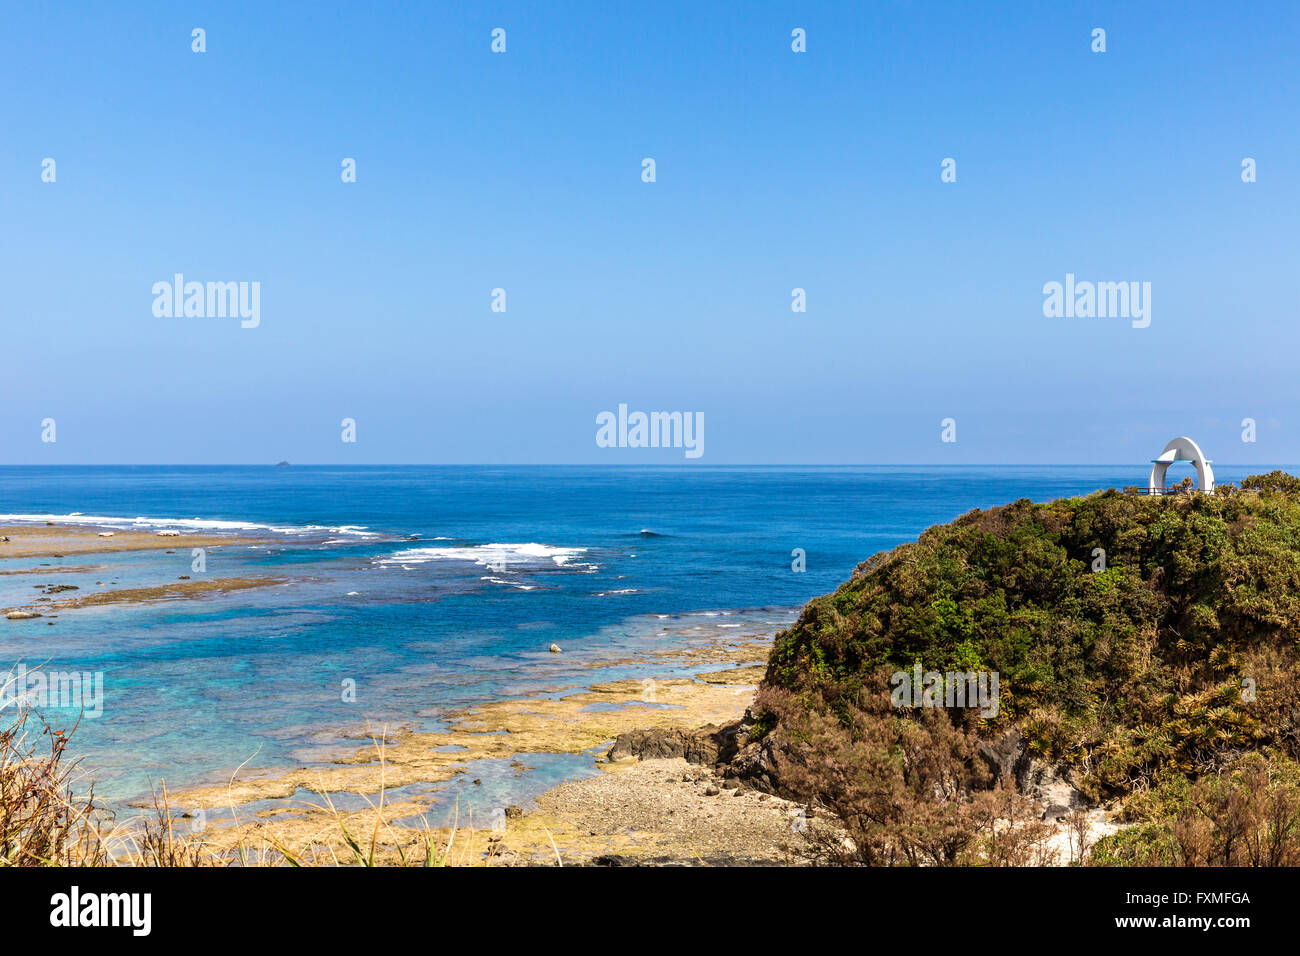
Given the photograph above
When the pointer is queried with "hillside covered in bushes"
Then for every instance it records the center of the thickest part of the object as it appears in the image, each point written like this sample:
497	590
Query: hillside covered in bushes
1147	651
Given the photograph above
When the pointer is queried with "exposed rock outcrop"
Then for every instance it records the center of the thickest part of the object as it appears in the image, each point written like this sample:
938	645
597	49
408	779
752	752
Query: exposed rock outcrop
710	745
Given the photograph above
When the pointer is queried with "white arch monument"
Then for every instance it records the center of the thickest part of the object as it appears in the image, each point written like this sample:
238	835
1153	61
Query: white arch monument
1180	449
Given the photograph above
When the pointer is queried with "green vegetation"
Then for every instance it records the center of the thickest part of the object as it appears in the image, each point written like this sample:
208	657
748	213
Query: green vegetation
1146	646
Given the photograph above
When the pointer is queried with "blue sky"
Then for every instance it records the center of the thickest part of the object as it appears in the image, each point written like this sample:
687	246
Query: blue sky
522	171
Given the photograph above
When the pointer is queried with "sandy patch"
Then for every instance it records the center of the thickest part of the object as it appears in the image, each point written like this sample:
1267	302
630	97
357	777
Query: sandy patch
50	541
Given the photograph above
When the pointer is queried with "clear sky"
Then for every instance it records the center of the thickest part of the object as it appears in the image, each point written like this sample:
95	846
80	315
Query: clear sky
523	171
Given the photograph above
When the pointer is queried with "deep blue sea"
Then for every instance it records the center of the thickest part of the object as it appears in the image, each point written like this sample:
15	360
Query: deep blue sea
609	563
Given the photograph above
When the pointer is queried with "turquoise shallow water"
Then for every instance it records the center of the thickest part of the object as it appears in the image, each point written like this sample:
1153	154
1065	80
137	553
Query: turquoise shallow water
609	563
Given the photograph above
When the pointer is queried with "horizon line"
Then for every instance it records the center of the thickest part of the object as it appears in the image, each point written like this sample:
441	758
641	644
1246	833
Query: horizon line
666	464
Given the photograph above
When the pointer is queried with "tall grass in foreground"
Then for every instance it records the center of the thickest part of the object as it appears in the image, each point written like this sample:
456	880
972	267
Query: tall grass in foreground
47	819
42	821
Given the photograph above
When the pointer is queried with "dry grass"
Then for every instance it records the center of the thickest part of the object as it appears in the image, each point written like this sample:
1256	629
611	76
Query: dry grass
42	821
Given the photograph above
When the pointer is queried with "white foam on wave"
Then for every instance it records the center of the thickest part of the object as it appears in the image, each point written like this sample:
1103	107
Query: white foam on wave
495	555
514	584
192	524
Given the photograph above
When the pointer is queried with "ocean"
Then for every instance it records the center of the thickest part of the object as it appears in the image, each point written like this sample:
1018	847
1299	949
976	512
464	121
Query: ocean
436	588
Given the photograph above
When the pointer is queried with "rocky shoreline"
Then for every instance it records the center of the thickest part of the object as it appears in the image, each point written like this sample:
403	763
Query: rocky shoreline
658	800
680	785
